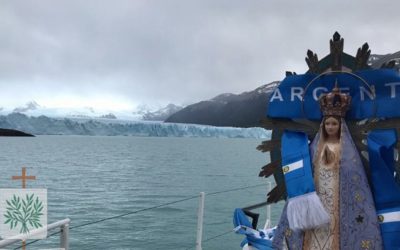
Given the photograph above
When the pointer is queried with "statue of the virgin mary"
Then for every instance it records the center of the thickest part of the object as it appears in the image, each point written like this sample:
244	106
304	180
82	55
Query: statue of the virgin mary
335	197
341	185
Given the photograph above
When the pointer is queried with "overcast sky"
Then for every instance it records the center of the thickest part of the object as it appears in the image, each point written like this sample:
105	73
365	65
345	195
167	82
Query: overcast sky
121	53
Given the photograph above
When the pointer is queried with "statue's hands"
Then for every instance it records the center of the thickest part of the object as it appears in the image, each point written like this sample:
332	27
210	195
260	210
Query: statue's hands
328	156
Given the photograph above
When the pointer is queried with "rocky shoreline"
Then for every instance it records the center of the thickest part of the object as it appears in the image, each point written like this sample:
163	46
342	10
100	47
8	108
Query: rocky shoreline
12	132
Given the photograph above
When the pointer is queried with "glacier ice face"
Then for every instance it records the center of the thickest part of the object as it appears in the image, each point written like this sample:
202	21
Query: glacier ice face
43	125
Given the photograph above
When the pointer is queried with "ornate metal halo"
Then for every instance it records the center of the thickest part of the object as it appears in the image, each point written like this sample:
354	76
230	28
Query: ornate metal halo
372	90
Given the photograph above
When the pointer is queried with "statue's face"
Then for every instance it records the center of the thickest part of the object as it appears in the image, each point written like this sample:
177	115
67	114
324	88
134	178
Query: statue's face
331	126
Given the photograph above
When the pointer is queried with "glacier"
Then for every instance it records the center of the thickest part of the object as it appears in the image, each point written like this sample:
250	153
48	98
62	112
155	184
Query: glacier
43	125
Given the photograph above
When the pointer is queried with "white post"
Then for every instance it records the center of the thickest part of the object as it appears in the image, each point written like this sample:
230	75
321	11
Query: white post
64	237
269	206
200	216
268	222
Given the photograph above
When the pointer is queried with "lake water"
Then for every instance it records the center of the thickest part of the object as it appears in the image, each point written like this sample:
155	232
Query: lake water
91	178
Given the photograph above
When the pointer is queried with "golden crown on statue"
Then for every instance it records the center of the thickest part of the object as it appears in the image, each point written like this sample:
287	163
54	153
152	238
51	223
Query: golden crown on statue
334	103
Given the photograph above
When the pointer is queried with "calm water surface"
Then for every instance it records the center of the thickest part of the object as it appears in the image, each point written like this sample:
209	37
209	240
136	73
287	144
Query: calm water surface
90	178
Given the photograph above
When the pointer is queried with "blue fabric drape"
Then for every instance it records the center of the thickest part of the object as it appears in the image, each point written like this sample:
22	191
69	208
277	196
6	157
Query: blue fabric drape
385	189
295	149
240	219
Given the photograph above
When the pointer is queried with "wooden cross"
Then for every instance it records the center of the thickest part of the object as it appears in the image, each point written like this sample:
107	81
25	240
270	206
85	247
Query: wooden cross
23	177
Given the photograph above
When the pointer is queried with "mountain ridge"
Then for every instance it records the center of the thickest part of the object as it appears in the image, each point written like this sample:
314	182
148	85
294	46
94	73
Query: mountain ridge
236	110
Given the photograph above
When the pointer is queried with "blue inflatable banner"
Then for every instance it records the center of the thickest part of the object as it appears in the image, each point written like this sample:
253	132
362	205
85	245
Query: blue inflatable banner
295	97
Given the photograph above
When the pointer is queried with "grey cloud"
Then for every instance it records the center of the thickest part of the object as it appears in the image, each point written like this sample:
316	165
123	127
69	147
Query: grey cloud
177	51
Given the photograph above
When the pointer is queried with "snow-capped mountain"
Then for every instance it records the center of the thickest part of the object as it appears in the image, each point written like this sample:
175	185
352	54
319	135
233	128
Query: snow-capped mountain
148	113
142	109
161	114
142	112
378	61
28	107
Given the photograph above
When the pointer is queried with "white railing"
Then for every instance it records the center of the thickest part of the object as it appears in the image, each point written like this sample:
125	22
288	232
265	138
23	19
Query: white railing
200	215
62	224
